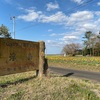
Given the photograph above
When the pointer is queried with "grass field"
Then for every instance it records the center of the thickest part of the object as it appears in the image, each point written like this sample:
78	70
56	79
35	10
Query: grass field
80	63
25	86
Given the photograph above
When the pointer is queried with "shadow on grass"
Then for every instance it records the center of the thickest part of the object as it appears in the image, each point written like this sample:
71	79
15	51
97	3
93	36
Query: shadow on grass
27	79
16	82
67	75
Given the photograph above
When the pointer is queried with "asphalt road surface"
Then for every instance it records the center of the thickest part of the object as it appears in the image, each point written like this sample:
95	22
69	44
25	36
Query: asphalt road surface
76	73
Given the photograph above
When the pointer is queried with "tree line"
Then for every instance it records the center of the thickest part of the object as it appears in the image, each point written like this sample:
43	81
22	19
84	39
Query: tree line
91	46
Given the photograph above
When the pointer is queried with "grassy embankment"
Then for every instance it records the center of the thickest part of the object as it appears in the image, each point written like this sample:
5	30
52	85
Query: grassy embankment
80	63
25	86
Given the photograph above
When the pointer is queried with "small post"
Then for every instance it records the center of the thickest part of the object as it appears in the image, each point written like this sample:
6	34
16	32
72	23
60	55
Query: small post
41	57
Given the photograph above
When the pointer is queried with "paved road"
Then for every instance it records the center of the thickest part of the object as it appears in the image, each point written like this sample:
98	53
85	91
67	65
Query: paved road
82	74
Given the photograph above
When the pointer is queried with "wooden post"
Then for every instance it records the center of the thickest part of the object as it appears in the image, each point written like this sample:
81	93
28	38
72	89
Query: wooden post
41	57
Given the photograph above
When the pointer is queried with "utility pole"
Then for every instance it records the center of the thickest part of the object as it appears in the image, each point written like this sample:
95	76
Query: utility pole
13	19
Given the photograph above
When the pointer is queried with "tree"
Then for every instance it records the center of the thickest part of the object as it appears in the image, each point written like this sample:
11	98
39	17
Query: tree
92	44
71	49
4	32
97	46
97	49
88	41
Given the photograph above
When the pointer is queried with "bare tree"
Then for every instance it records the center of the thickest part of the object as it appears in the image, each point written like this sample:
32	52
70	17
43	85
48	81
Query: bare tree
71	49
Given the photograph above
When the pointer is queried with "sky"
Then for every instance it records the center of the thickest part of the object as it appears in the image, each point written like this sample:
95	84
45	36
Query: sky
56	22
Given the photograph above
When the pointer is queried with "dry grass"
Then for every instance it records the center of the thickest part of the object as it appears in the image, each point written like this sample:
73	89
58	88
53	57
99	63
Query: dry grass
25	86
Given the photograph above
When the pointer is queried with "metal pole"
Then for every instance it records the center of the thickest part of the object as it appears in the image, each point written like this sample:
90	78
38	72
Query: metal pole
13	19
14	26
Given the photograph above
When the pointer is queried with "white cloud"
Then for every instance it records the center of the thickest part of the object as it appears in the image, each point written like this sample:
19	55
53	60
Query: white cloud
51	42
54	43
69	38
30	16
89	26
98	3
53	34
52	6
50	30
56	34
99	20
78	1
80	16
79	22
58	17
66	39
83	21
97	13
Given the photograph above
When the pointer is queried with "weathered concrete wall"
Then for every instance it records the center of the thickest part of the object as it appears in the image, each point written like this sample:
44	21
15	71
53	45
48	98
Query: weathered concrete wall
18	56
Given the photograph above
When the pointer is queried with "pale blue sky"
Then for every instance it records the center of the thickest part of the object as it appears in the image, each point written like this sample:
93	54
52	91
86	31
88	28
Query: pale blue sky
57	22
